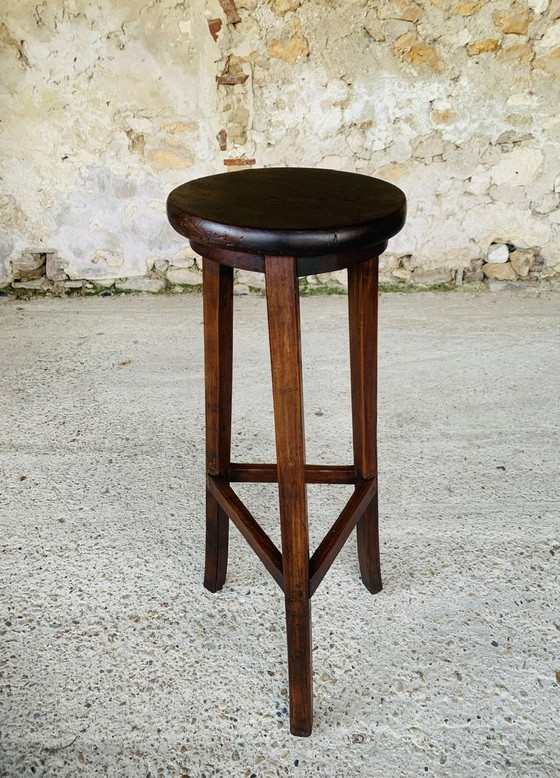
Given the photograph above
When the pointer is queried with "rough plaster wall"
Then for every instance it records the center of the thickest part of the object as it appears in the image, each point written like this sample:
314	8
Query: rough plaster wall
105	107
108	105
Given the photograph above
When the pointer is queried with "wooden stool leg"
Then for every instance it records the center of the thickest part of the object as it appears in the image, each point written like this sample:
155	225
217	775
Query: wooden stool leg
362	314
218	351
285	350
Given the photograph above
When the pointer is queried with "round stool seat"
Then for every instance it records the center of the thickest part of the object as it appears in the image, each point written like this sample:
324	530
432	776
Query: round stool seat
299	212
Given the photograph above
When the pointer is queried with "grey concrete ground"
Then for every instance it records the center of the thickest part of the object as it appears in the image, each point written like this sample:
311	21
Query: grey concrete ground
116	662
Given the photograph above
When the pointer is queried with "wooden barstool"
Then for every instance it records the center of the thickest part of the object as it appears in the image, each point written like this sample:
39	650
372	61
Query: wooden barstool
286	223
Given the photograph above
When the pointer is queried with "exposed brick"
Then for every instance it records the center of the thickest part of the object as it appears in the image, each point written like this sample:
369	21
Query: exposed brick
221	137
214	25
238	162
230	11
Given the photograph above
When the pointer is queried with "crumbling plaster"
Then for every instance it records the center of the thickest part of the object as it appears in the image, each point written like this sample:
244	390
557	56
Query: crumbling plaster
108	105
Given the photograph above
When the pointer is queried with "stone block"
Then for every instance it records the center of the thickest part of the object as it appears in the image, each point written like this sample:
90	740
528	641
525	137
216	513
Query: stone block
340	277
444	116
416	51
497	286
547	203
177	158
290	46
499	272
551	39
508	193
104	283
250	278
402	274
183	258
473	273
428	146
514	24
409	262
467	7
183	276
519	167
282	7
406	10
517	52
55	267
538	6
537	268
141	284
522	262
388	261
484	46
422	277
497	253
29	267
550	63
35	285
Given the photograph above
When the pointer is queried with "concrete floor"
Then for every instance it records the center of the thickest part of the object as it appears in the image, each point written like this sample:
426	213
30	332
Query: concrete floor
116	662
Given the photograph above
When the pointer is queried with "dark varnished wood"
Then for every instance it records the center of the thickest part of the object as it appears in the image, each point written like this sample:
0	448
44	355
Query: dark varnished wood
362	315
313	474
336	537
282	295
326	263
290	222
253	533
287	211
217	542
218	346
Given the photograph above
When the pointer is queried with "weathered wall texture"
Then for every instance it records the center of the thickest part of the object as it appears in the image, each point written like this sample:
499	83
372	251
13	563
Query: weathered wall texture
108	105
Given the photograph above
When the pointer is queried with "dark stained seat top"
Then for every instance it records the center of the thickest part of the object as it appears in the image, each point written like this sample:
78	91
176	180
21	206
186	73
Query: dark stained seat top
287	211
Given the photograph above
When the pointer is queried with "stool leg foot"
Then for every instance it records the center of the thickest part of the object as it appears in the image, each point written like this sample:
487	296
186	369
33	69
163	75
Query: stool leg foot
298	626
368	548
218	355
285	351
217	536
362	316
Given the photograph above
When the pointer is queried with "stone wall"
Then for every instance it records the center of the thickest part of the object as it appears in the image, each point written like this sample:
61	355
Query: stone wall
106	106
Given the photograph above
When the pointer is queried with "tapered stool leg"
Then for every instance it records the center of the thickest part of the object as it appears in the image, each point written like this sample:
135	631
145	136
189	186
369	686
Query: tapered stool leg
285	350
362	315
218	351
